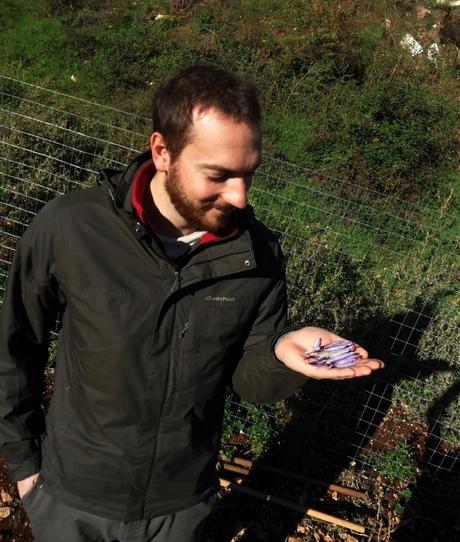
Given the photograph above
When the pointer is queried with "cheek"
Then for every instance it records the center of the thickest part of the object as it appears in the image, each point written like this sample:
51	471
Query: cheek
206	193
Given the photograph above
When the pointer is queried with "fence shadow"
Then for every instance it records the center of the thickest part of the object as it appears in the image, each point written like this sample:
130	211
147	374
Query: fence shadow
432	513
331	423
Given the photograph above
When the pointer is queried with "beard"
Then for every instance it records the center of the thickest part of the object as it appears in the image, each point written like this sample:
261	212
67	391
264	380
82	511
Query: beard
199	215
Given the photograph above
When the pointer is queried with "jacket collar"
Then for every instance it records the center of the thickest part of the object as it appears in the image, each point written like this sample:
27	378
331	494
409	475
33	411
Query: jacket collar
122	184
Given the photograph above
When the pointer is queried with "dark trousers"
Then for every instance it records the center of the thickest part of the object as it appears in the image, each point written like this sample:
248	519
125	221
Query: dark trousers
54	521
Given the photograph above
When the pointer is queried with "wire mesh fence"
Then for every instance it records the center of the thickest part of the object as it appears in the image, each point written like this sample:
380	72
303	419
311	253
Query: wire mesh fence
363	263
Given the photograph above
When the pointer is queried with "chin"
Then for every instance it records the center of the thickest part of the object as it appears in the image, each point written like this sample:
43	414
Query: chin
221	226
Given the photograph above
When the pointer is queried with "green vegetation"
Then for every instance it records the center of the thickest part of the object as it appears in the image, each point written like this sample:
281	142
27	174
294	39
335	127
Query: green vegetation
406	495
339	94
260	427
396	464
358	178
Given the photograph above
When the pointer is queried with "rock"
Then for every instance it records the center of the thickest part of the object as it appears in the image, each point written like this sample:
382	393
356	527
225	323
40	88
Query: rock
433	52
5	511
421	12
411	44
449	3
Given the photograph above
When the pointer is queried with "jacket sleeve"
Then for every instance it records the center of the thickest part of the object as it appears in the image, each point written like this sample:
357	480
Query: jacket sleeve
29	311
259	376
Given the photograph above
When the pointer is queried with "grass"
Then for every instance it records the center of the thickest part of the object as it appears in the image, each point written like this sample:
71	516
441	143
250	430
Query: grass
396	464
368	212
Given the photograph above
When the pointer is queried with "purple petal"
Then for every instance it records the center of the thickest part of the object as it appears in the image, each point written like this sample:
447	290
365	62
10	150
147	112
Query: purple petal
339	353
347	361
337	344
317	345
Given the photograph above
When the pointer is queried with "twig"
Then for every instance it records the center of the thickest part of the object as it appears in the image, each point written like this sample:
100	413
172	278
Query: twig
232	486
249	465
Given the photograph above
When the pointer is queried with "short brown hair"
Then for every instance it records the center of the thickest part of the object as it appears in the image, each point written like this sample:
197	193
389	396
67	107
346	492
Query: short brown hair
205	86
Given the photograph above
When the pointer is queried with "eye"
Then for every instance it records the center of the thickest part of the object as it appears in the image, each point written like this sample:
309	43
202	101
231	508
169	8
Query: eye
219	179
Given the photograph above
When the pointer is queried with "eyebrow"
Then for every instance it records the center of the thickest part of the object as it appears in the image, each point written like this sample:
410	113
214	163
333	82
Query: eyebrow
225	171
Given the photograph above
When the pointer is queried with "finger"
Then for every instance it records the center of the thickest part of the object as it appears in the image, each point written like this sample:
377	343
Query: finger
363	368
373	363
361	351
356	371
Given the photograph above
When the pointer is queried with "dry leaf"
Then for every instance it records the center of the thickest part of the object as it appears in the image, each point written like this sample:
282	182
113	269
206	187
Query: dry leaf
6	497
421	12
238	535
334	496
5	511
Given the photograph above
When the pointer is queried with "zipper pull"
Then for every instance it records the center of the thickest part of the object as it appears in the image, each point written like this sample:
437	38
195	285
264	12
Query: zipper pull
176	283
182	333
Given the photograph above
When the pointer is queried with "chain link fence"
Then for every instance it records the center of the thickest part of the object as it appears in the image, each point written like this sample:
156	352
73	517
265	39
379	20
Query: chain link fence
365	264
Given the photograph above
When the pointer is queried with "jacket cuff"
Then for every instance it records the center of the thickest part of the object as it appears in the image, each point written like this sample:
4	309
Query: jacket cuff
278	337
287	380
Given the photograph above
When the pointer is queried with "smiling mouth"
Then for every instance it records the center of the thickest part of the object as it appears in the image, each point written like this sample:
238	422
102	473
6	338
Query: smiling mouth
222	210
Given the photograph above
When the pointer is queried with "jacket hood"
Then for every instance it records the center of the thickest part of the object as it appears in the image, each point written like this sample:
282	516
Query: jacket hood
120	183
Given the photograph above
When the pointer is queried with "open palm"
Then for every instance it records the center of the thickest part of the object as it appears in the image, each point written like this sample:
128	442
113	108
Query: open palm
291	351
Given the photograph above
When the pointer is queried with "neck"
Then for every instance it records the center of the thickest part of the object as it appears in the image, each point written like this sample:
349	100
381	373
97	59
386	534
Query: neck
167	221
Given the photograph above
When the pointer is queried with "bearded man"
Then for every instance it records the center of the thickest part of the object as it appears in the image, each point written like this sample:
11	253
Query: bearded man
171	291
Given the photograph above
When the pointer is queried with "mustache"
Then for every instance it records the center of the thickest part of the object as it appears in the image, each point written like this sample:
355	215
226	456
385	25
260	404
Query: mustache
208	205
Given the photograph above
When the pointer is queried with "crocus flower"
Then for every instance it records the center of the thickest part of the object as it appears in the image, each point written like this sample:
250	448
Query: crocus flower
335	354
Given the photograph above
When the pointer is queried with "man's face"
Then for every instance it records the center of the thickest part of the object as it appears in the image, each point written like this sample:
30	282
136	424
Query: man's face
209	180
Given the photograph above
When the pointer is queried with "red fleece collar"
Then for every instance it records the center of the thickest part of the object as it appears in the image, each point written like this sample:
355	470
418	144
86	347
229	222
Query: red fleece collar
142	201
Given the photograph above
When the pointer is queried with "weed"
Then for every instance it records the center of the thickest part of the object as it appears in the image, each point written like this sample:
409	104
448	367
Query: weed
405	497
261	425
396	464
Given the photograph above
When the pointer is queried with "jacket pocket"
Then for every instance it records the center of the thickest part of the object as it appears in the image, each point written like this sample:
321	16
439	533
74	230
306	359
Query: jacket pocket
110	389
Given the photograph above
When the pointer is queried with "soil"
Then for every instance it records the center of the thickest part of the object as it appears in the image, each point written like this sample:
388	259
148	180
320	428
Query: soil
15	527
395	429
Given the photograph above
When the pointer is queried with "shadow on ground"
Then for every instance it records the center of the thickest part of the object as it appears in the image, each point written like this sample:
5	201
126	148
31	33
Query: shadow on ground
331	423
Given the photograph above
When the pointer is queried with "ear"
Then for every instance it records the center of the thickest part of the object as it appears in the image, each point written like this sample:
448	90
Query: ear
160	154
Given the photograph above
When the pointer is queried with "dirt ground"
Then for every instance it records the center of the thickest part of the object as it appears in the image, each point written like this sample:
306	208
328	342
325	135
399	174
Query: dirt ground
14	525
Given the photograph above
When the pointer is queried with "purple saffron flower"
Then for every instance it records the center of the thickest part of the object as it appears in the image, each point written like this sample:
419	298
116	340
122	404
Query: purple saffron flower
335	354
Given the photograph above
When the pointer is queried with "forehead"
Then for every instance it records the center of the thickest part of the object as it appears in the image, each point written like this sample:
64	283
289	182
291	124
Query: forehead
214	135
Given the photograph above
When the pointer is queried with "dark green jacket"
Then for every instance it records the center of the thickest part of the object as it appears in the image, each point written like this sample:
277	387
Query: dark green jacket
145	352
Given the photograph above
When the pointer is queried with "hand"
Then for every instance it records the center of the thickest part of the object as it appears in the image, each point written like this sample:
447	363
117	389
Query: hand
26	485
291	350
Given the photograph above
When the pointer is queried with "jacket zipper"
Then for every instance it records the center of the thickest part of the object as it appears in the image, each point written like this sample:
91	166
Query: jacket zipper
184	330
176	284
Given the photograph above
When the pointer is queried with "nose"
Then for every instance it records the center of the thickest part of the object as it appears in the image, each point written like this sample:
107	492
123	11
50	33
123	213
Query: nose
235	192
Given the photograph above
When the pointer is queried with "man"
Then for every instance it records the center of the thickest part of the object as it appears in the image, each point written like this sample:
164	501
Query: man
170	291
